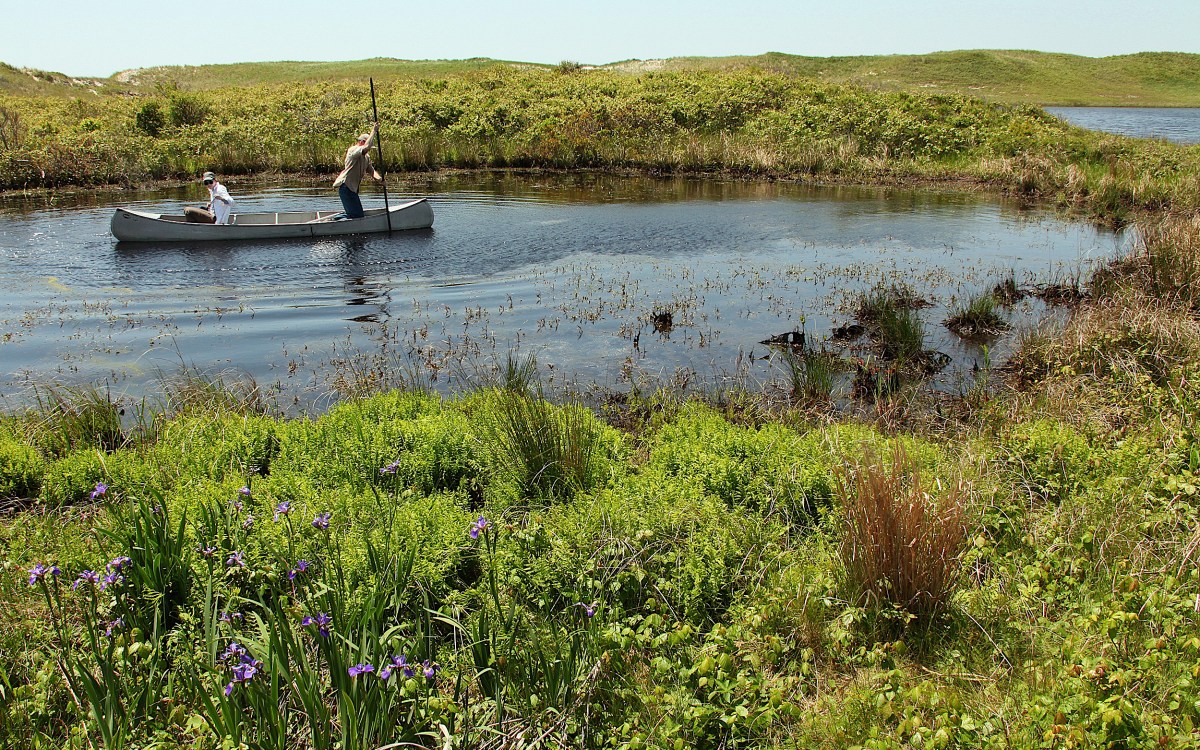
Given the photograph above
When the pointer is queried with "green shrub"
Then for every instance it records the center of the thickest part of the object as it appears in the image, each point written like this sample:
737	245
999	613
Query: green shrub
1049	458
150	119
72	478
21	467
766	469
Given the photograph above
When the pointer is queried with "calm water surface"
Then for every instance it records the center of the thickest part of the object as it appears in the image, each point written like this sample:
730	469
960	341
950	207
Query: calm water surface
1178	124
569	268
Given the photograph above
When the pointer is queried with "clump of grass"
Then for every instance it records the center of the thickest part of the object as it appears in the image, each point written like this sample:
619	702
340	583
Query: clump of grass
812	374
884	299
978	318
900	333
546	450
65	419
903	544
190	391
1006	291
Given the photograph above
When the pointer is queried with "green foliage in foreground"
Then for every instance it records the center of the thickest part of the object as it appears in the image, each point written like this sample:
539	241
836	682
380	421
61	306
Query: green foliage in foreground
746	122
689	586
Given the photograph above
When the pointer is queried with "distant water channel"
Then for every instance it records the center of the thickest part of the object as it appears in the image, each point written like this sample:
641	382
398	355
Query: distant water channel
569	268
1178	124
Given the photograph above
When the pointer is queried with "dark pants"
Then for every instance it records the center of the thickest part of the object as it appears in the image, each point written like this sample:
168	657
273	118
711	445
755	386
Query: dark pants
350	202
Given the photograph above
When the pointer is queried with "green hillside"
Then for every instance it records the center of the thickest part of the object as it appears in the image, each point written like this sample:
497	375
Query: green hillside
1009	76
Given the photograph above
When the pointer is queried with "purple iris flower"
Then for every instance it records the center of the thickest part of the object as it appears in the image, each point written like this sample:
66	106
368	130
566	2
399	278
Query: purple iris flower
231	617
322	521
117	564
208	551
234	652
478	527
358	669
37	573
391	468
248	522
235	559
244	492
242	673
321	620
110	579
588	609
301	566
430	669
98	493
282	509
87	576
113	625
237	505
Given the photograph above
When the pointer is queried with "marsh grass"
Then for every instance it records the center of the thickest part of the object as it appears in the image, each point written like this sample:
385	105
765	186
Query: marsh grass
812	374
548	451
192	391
900	334
902	543
69	418
979	318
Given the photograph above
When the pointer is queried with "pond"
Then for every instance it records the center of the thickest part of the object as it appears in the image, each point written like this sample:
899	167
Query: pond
1177	124
569	268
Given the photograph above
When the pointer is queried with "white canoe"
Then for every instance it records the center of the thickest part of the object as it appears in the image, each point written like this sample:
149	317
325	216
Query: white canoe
138	226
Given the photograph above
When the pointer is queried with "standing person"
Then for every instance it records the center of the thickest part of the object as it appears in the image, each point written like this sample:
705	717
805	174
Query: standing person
219	200
358	162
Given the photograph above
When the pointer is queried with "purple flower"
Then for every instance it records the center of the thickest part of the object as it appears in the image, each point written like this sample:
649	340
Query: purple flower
244	492
234	653
588	609
235	559
282	509
208	551
358	669
110	579
248	522
117	564
391	468
98	493
430	669
37	573
397	662
113	625
87	576
236	505
242	673
322	521
478	527
322	621
231	617
301	566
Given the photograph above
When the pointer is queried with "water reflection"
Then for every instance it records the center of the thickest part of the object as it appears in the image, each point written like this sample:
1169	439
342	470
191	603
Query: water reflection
574	267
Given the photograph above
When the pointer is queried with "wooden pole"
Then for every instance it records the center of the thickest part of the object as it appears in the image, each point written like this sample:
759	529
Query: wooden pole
379	146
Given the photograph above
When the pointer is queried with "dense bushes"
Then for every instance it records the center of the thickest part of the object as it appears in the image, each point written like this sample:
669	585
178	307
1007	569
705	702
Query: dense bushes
741	121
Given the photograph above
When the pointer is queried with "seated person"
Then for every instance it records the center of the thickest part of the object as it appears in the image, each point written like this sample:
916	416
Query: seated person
220	204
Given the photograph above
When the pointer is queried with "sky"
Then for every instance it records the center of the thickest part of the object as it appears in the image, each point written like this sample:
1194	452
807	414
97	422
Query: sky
91	38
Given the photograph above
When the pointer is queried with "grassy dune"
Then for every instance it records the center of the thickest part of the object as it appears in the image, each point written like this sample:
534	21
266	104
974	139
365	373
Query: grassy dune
1151	79
1147	79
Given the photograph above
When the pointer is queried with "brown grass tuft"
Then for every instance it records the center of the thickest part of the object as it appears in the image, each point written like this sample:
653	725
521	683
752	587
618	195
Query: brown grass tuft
903	544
